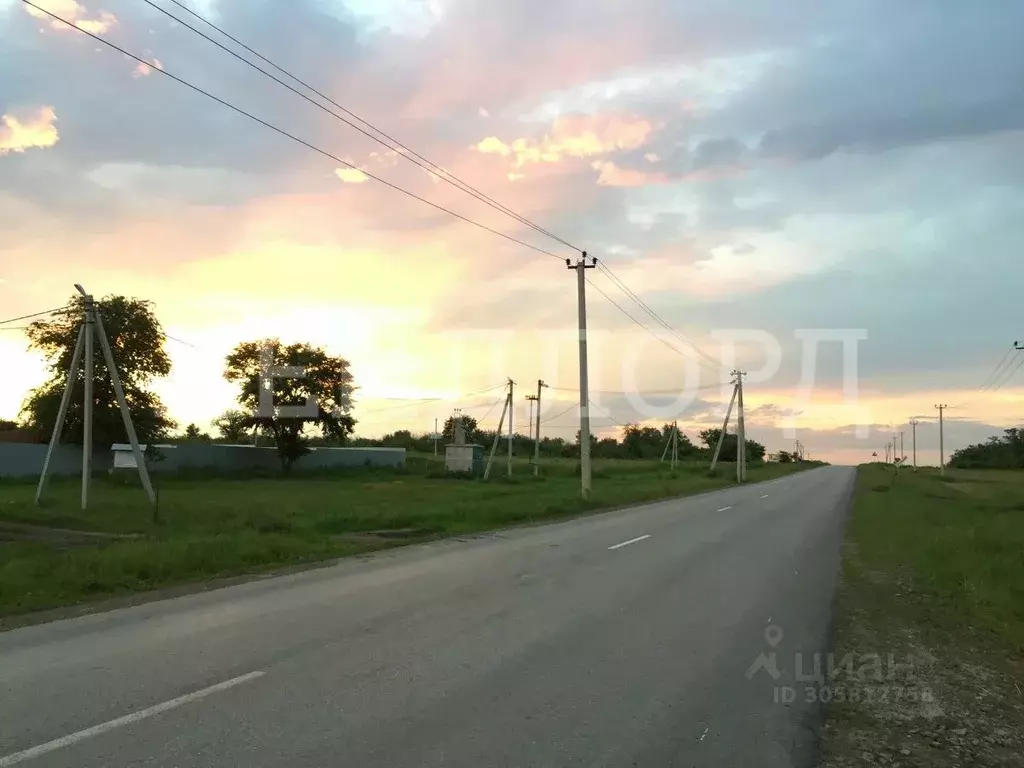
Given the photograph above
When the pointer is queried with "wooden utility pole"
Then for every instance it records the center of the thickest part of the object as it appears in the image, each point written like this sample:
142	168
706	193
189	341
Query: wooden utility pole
581	299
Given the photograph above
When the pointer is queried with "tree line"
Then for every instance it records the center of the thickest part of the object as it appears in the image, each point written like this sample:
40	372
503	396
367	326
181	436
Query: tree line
1005	451
137	342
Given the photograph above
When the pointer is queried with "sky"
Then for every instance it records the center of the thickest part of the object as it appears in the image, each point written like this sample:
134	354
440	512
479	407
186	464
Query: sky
758	174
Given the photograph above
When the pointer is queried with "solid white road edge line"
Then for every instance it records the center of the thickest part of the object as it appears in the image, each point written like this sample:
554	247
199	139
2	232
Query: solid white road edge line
142	714
724	508
616	546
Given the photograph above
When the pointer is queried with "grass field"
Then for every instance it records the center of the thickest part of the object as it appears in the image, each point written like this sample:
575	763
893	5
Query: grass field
216	527
933	570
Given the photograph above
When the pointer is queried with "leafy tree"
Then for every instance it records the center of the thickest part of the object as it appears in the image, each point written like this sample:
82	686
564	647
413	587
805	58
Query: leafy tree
195	435
1005	451
785	457
7	425
470	426
327	381
234	426
136	341
754	450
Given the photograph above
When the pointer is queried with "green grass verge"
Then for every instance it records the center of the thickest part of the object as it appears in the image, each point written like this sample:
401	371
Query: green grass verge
933	569
210	528
943	553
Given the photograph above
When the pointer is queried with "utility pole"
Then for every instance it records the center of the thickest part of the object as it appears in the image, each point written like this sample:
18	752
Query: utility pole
497	435
511	408
902	451
725	424
92	328
913	441
675	445
536	435
942	452
435	436
581	290
741	432
90	335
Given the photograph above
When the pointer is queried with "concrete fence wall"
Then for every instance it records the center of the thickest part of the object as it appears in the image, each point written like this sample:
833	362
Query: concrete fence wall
21	460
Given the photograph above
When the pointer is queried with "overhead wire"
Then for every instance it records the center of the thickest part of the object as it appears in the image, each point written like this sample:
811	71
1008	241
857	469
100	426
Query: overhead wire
998	370
395	145
293	137
34	314
604	268
646	327
1006	379
560	413
408	153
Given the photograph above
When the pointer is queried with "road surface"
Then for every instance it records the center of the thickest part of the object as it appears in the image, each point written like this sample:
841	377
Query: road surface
630	638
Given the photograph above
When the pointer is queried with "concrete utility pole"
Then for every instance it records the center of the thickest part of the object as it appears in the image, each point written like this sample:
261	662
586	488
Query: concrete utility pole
581	291
536	435
497	435
511	408
902	452
725	424
675	445
435	436
913	440
90	334
92	328
741	432
942	450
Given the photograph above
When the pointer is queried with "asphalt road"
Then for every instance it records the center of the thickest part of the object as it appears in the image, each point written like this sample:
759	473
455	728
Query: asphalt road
621	639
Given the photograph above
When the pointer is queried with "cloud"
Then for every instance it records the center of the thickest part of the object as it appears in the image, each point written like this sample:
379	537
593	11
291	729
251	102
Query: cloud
575	136
144	70
612	175
351	175
73	12
35	129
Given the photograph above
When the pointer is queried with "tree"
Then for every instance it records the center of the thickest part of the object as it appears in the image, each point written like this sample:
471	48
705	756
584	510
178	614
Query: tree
785	457
321	396
195	435
754	450
8	426
469	424
1003	452
136	342
233	426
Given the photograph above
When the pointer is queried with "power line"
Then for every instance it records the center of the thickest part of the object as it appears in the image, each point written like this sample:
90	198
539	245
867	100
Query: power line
996	372
654	315
34	314
394	145
638	322
426	400
491	409
1006	379
293	137
560	413
641	393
